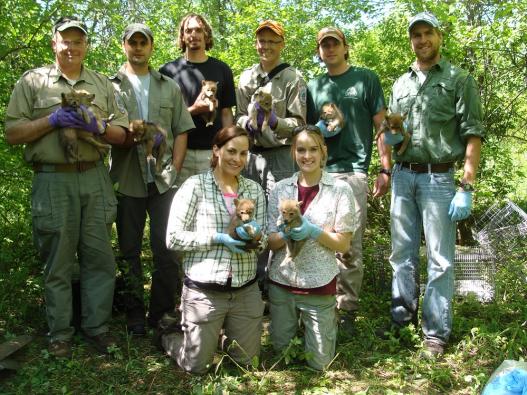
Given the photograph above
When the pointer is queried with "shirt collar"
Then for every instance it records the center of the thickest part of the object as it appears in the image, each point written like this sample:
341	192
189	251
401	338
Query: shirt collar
441	65
84	76
121	73
326	179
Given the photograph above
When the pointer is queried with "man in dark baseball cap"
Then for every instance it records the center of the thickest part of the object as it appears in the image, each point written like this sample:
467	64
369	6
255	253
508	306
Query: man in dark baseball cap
137	28
68	22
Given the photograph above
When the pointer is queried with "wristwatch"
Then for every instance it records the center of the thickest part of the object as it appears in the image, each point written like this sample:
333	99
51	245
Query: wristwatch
466	187
388	172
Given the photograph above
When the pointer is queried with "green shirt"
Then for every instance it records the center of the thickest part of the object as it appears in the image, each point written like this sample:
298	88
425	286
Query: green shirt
358	94
38	93
442	113
166	108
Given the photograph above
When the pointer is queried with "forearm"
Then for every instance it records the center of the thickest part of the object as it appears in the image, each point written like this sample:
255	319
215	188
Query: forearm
275	241
27	132
339	242
179	151
226	117
472	158
115	134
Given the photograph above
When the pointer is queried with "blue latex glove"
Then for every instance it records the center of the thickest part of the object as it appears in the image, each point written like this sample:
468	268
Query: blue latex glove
392	139
460	206
304	231
158	139
92	126
321	124
242	233
229	242
65	117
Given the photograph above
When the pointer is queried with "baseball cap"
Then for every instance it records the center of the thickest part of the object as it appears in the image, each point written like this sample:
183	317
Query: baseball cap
273	25
69	22
137	28
426	17
331	32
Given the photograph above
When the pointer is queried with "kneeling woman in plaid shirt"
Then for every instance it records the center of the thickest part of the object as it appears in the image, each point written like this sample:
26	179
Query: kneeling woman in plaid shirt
304	286
220	288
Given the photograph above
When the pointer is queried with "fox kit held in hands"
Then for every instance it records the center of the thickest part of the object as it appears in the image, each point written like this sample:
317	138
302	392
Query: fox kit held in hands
208	95
290	217
265	101
394	123
69	137
332	117
145	133
242	216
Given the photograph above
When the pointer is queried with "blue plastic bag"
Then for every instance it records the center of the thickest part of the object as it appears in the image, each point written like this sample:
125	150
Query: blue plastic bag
510	378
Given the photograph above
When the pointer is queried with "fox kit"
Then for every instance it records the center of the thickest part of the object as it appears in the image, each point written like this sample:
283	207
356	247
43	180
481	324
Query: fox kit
69	137
332	117
265	100
290	217
145	133
242	216
394	123
208	95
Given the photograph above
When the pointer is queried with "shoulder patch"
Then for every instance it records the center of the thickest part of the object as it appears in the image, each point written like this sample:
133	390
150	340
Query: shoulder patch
119	101
303	94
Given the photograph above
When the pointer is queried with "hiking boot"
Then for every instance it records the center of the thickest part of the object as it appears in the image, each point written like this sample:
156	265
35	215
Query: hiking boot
346	323
60	348
170	323
432	350
103	342
136	330
387	332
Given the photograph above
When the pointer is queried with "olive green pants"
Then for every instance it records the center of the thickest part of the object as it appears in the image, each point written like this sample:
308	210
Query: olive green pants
71	214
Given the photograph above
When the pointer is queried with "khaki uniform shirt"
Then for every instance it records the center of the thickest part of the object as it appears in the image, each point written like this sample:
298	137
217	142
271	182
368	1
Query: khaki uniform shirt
38	93
289	92
441	113
166	107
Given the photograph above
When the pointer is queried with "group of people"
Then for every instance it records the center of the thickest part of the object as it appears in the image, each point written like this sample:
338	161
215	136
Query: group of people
191	196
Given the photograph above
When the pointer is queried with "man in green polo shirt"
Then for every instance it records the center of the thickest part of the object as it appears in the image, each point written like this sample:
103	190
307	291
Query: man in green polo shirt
72	203
141	189
358	94
444	118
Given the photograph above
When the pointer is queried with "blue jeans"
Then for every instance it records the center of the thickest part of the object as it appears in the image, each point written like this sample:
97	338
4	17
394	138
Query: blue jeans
421	201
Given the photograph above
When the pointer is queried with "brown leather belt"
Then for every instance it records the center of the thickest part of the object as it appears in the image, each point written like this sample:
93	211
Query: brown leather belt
76	167
428	167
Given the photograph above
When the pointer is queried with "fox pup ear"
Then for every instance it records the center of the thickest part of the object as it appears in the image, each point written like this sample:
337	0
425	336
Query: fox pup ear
203	82
236	201
299	204
91	97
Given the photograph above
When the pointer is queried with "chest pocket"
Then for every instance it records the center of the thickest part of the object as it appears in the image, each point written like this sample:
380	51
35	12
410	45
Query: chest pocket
443	100
45	106
405	102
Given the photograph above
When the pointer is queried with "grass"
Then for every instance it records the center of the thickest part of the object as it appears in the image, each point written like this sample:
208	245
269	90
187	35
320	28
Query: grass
483	336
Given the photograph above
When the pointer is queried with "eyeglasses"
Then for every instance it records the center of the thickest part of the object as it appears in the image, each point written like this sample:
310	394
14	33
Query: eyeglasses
307	128
262	43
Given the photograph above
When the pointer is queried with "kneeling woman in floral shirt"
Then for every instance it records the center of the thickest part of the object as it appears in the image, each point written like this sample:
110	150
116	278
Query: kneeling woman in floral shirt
305	286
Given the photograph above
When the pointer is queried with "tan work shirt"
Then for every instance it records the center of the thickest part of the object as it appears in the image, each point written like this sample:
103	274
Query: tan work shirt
289	92
38	93
167	108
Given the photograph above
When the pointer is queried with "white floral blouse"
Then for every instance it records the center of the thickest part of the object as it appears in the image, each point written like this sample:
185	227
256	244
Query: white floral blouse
333	210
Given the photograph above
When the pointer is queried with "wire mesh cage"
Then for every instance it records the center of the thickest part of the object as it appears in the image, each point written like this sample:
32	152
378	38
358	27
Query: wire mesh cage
501	233
502	230
475	271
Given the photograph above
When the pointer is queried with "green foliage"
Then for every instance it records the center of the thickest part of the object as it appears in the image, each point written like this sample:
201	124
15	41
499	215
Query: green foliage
488	38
